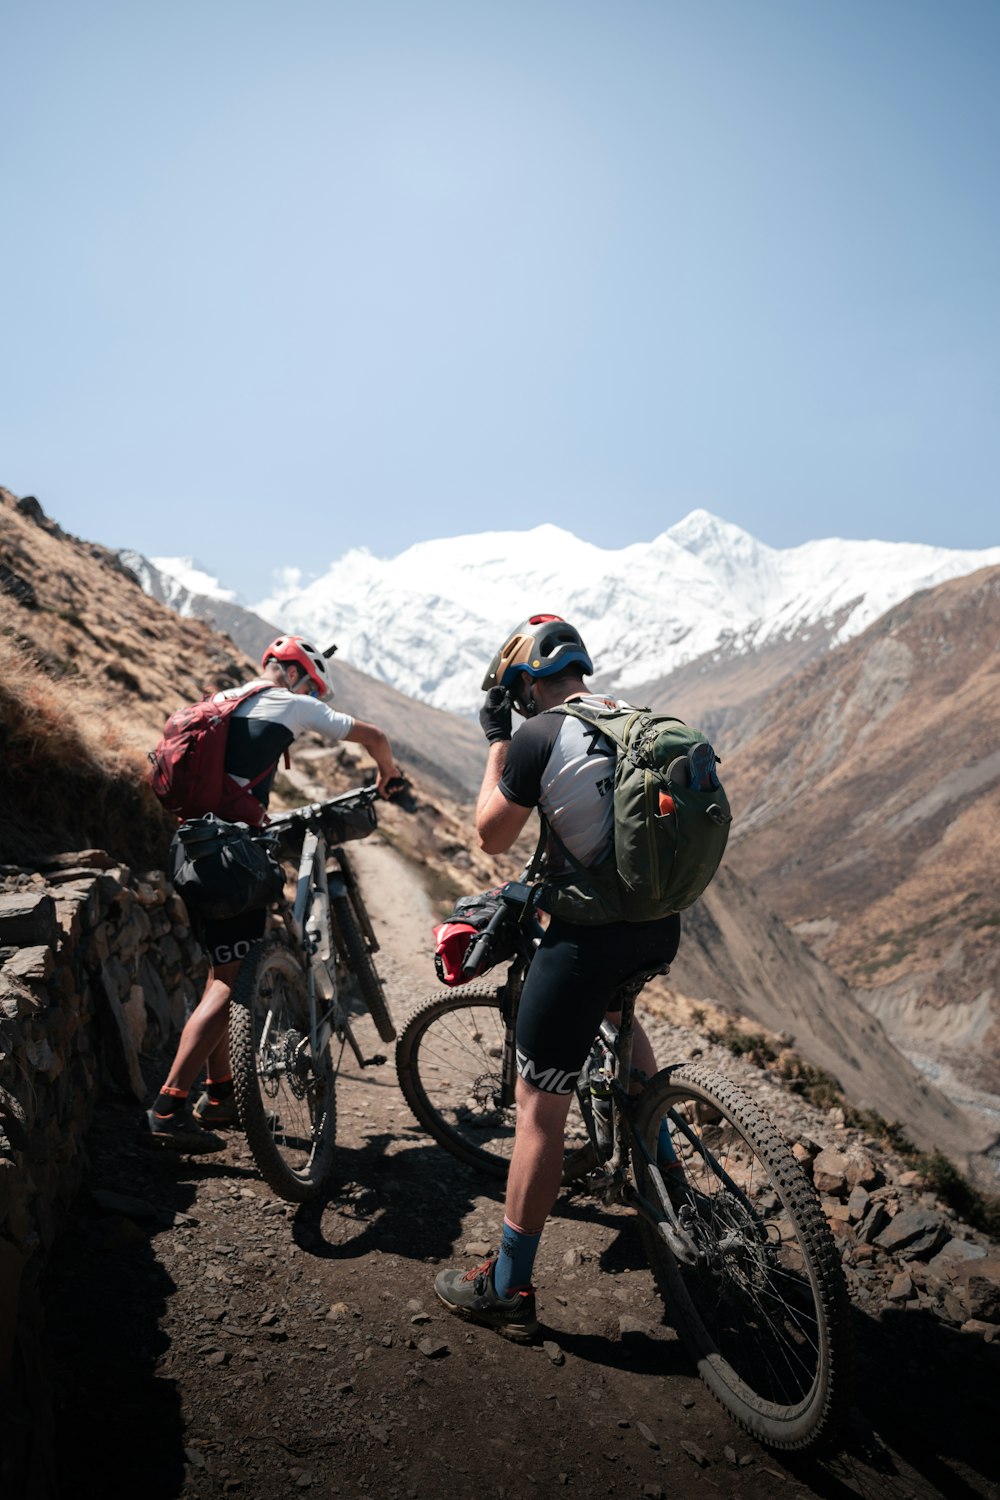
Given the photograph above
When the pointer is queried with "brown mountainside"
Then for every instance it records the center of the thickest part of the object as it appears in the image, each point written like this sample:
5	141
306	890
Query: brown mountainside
91	666
867	791
89	670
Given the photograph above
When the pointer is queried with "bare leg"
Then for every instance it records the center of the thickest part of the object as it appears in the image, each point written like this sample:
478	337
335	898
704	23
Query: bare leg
206	1032
537	1161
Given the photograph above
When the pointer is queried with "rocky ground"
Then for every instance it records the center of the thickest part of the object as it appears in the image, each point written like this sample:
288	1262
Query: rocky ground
205	1338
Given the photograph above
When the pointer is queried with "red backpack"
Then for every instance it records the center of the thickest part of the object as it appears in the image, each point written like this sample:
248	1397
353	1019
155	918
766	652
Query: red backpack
188	773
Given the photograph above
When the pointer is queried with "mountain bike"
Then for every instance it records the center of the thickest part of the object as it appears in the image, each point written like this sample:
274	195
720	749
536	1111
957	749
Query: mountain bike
287	1010
732	1229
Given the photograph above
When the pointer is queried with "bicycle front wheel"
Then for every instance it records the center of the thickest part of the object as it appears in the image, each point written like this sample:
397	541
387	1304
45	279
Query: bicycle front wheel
449	1061
354	949
765	1311
285	1093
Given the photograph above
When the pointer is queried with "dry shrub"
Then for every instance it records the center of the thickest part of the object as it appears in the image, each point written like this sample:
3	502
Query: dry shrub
68	777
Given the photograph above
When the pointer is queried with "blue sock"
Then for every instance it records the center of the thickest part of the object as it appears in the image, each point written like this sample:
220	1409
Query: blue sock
515	1261
666	1156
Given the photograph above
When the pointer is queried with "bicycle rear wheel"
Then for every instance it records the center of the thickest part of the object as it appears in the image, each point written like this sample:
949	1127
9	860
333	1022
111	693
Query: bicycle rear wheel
285	1094
351	943
449	1061
765	1312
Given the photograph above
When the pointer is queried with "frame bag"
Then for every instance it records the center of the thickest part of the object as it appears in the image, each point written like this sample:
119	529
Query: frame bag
222	870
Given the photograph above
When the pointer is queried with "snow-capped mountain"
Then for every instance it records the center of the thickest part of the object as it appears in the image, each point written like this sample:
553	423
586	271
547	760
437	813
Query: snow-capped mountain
429	620
176	581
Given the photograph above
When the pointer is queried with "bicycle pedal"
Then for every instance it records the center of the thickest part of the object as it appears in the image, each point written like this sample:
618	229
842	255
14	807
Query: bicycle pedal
377	1061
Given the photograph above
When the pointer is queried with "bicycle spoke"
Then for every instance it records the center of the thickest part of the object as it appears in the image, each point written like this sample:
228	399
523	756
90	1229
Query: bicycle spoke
450	1066
285	1093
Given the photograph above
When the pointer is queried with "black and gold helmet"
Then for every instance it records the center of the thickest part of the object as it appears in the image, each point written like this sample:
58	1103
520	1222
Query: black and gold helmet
542	645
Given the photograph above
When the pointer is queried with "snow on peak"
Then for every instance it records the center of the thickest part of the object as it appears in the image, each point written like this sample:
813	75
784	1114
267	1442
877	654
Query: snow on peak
194	578
429	619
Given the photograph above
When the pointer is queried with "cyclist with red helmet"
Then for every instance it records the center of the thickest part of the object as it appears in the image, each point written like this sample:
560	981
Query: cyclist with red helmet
290	697
565	768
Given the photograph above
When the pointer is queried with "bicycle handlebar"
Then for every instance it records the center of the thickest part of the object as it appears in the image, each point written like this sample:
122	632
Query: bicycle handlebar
313	812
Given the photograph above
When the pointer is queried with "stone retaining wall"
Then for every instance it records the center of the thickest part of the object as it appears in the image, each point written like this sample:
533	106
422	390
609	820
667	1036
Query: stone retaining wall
96	966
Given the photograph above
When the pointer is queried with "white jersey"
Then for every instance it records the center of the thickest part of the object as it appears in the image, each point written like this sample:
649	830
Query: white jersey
567	769
263	726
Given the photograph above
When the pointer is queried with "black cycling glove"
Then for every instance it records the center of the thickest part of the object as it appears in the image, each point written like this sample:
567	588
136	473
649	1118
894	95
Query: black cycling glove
494	715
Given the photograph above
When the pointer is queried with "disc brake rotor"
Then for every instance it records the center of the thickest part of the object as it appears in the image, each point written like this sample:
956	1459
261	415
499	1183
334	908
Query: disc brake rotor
297	1069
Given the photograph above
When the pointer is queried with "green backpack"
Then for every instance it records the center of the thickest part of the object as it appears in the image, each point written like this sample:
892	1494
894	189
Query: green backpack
669	835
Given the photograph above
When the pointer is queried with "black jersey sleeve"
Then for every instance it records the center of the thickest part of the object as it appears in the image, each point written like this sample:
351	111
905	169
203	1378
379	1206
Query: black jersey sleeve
527	758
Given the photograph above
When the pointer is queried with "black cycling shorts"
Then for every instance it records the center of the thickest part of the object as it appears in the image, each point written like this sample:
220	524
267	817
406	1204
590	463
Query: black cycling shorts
229	941
569	987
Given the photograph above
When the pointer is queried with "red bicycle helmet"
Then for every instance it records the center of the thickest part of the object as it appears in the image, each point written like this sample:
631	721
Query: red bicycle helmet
295	648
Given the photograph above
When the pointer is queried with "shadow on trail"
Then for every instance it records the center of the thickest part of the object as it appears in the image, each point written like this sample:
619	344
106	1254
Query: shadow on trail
411	1204
924	1421
926	1411
105	1293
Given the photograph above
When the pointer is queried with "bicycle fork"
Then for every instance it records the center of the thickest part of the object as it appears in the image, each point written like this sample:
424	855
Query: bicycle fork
314	926
625	1138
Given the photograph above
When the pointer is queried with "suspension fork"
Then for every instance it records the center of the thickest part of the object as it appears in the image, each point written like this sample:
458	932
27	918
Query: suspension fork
312	924
618	1039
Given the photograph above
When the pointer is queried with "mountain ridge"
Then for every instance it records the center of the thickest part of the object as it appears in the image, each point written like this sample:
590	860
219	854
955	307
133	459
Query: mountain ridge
427	619
868	795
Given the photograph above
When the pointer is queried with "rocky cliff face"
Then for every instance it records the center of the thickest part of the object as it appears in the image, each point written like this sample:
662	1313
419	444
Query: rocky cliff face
867	791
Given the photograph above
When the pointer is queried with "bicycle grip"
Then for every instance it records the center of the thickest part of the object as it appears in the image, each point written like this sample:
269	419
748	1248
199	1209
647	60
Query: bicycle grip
478	950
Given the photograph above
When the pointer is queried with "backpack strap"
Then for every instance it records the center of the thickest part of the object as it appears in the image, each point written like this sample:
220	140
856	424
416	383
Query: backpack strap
252	692
594	717
547	834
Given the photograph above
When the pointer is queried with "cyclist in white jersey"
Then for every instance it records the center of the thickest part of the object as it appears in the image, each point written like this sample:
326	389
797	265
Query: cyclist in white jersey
288	703
565	768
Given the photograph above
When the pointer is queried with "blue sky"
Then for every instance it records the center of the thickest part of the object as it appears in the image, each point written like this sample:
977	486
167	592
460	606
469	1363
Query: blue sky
279	279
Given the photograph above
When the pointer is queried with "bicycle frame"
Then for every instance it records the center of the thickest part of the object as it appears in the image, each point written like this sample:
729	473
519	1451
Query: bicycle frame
310	923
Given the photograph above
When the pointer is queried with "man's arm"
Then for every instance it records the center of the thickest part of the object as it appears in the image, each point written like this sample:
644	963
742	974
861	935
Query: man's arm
375	742
498	822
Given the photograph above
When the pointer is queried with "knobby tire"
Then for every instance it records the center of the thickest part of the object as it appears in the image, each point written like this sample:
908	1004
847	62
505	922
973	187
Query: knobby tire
285	1096
765	1314
449	1061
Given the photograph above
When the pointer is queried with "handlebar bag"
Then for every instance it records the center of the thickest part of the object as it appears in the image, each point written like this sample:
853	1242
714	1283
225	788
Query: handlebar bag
344	824
222	870
341	825
454	936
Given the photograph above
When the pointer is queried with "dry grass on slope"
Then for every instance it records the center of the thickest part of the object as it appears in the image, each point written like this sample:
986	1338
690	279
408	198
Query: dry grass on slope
67	780
89	670
868	797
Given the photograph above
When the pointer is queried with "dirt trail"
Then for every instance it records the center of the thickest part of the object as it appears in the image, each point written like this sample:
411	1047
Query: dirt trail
208	1339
